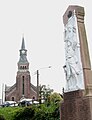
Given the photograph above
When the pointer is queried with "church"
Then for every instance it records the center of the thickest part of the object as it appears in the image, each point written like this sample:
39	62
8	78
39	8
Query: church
23	88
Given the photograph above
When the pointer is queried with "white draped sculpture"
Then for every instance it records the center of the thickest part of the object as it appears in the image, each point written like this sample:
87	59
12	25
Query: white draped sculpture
73	67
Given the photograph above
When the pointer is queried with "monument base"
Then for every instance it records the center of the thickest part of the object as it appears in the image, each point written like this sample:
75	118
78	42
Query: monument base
76	106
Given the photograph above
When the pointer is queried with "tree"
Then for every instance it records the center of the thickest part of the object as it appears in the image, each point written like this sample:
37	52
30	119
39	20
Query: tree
55	98
44	93
47	111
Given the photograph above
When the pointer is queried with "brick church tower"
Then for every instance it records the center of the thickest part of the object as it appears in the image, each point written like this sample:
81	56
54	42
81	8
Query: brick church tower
23	74
22	87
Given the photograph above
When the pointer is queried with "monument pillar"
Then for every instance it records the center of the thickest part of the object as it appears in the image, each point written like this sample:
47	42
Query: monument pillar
84	53
77	104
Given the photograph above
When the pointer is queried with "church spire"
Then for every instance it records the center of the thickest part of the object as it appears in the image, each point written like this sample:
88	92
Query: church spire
23	44
23	63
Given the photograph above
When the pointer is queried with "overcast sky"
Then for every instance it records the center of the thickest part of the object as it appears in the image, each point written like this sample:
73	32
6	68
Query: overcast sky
41	23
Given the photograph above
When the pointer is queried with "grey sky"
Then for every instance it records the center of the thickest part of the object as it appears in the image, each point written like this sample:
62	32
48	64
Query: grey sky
41	23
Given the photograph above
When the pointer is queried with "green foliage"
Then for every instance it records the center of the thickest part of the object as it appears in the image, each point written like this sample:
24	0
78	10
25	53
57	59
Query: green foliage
8	112
46	111
34	112
26	113
39	112
55	98
2	117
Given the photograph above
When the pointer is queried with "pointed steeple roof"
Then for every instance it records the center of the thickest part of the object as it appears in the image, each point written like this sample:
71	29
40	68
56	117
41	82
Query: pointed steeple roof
23	44
23	53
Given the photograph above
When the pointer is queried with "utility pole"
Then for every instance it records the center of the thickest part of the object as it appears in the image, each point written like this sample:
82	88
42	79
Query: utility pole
37	84
2	92
38	80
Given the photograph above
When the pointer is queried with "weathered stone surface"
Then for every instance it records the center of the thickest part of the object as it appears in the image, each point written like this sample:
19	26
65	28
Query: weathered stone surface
76	106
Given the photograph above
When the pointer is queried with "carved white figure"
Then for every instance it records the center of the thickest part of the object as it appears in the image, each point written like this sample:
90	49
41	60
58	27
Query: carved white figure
73	67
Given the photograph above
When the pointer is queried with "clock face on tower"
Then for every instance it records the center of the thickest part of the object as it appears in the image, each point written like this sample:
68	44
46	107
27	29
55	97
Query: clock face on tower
23	51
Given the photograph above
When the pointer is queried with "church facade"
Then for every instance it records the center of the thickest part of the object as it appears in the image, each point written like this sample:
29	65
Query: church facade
23	87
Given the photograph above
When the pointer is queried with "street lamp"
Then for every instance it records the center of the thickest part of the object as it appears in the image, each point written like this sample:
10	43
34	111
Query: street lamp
38	80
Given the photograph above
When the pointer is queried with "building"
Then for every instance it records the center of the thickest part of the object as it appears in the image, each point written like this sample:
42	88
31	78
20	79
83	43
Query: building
23	87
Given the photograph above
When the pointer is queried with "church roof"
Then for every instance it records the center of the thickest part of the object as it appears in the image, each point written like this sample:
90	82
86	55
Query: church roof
33	87
10	88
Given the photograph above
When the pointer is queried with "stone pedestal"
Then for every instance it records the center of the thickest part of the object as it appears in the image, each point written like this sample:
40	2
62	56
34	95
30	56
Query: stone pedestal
76	106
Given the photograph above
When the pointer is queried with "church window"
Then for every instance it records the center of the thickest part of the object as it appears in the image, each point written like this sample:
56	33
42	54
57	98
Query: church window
23	85
33	98
12	98
20	67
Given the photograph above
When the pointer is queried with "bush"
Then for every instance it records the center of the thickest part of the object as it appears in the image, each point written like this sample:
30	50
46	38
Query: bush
8	112
43	112
39	112
26	113
34	112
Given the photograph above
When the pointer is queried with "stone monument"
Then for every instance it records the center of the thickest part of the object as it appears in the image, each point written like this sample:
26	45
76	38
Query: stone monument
77	104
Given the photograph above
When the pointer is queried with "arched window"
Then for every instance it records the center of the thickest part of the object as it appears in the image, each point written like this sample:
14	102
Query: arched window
33	98
20	67
12	98
23	85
